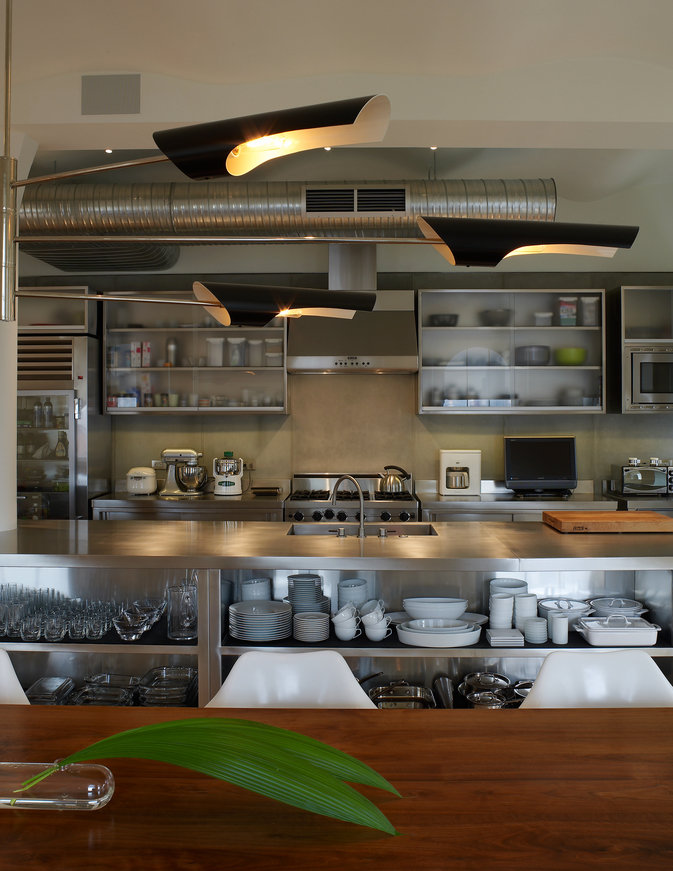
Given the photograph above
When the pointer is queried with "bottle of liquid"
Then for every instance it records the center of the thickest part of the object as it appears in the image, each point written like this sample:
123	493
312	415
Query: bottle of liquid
171	352
38	417
61	449
48	413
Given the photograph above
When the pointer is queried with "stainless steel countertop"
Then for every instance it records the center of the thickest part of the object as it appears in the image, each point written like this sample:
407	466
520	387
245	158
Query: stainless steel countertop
495	497
470	546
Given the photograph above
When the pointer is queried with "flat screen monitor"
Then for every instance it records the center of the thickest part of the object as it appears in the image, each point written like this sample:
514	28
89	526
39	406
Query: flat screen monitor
540	464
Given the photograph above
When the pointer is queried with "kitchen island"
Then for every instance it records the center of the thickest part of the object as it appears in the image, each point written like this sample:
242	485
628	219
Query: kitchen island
502	790
126	560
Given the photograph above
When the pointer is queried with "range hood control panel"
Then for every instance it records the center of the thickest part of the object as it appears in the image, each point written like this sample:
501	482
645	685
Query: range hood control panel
352	362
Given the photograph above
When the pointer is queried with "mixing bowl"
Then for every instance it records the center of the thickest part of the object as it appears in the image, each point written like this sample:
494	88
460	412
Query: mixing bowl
495	317
191	478
531	355
570	356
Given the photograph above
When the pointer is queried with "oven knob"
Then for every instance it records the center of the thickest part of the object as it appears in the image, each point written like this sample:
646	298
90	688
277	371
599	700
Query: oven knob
317	515
341	515
298	515
386	516
329	514
404	515
357	515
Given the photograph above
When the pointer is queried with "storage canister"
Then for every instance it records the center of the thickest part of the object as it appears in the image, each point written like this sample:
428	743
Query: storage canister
255	352
215	351
590	310
567	311
236	351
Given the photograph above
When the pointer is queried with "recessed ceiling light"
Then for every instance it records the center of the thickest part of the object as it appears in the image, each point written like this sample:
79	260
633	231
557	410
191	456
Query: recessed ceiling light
108	151
433	148
328	148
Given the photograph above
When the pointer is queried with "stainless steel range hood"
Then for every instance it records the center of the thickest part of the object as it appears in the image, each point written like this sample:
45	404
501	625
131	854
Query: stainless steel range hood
380	341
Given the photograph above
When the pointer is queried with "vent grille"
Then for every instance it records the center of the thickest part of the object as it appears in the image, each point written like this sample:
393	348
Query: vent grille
382	200
355	200
45	359
330	200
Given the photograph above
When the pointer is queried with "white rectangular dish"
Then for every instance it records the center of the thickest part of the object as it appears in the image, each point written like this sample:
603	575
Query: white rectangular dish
618	630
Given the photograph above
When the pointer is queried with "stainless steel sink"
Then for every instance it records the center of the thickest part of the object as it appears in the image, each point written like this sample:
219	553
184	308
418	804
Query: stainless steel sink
372	530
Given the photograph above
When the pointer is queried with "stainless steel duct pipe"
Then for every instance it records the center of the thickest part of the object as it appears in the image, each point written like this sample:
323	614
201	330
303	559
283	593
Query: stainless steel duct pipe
333	209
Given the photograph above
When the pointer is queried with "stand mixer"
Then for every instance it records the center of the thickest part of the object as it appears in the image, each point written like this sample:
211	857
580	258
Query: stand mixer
184	476
228	472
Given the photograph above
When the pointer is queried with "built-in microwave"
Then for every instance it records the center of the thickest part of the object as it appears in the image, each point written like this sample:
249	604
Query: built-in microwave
650	386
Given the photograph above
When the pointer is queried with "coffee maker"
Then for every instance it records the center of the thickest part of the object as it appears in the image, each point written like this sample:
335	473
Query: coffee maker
460	473
228	472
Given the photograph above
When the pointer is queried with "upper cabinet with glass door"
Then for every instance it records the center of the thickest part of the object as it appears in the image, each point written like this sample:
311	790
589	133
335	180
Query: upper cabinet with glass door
171	358
511	352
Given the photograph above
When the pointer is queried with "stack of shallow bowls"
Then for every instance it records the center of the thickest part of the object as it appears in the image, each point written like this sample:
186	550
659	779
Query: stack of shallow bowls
513	586
444	607
311	626
304	593
255	588
608	605
438	632
353	590
260	621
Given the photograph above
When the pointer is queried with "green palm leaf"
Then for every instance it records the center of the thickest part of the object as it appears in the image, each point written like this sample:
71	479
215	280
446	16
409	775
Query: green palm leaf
277	763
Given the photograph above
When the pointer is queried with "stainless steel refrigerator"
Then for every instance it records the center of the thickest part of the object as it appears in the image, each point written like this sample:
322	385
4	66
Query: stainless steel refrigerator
63	438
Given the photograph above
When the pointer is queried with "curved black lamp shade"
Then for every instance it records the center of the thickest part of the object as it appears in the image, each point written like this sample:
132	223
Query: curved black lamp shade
235	146
255	305
483	242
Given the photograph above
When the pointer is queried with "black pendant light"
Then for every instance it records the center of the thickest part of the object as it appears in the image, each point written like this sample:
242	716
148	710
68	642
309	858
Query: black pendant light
484	242
235	146
255	305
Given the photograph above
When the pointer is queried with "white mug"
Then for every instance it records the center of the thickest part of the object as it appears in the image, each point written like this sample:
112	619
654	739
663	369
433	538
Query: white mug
376	633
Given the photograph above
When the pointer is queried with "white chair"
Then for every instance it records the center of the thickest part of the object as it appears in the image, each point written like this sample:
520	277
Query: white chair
320	679
11	692
600	679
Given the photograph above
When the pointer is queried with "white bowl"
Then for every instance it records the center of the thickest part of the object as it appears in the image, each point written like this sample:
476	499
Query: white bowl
434	606
438	639
436	624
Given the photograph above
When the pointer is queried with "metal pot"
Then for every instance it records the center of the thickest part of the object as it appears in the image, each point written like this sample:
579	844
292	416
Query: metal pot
392	483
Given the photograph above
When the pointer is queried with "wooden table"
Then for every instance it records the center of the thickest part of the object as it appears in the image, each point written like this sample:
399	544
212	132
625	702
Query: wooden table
540	790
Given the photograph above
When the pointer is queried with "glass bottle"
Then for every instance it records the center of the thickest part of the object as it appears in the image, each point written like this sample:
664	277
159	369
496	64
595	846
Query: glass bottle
61	449
48	413
38	417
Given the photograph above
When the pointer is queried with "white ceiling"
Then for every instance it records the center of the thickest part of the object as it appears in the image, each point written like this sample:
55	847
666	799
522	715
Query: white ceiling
578	90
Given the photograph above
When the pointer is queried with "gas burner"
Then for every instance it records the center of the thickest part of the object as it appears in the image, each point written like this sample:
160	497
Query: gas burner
352	494
311	501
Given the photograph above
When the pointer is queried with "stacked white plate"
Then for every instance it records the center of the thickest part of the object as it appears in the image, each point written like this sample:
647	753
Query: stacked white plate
504	637
260	620
438	632
311	626
304	593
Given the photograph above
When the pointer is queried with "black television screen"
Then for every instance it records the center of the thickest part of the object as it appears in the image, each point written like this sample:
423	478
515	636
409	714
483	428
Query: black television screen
540	463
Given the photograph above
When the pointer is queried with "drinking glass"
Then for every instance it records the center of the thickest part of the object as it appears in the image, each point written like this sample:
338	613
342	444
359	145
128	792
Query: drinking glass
182	613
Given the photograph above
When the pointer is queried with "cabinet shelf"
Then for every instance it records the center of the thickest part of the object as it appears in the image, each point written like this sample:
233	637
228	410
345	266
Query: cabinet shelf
133	337
548	388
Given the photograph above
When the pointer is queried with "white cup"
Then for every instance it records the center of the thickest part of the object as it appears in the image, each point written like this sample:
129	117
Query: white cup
378	632
347	612
372	611
345	633
559	628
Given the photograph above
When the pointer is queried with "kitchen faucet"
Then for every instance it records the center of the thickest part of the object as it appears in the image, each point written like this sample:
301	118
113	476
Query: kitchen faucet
361	531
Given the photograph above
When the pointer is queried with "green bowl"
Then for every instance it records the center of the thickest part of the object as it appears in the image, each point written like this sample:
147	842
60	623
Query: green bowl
570	356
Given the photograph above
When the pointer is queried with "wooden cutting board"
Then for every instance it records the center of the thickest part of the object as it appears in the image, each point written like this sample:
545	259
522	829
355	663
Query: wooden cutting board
608	521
